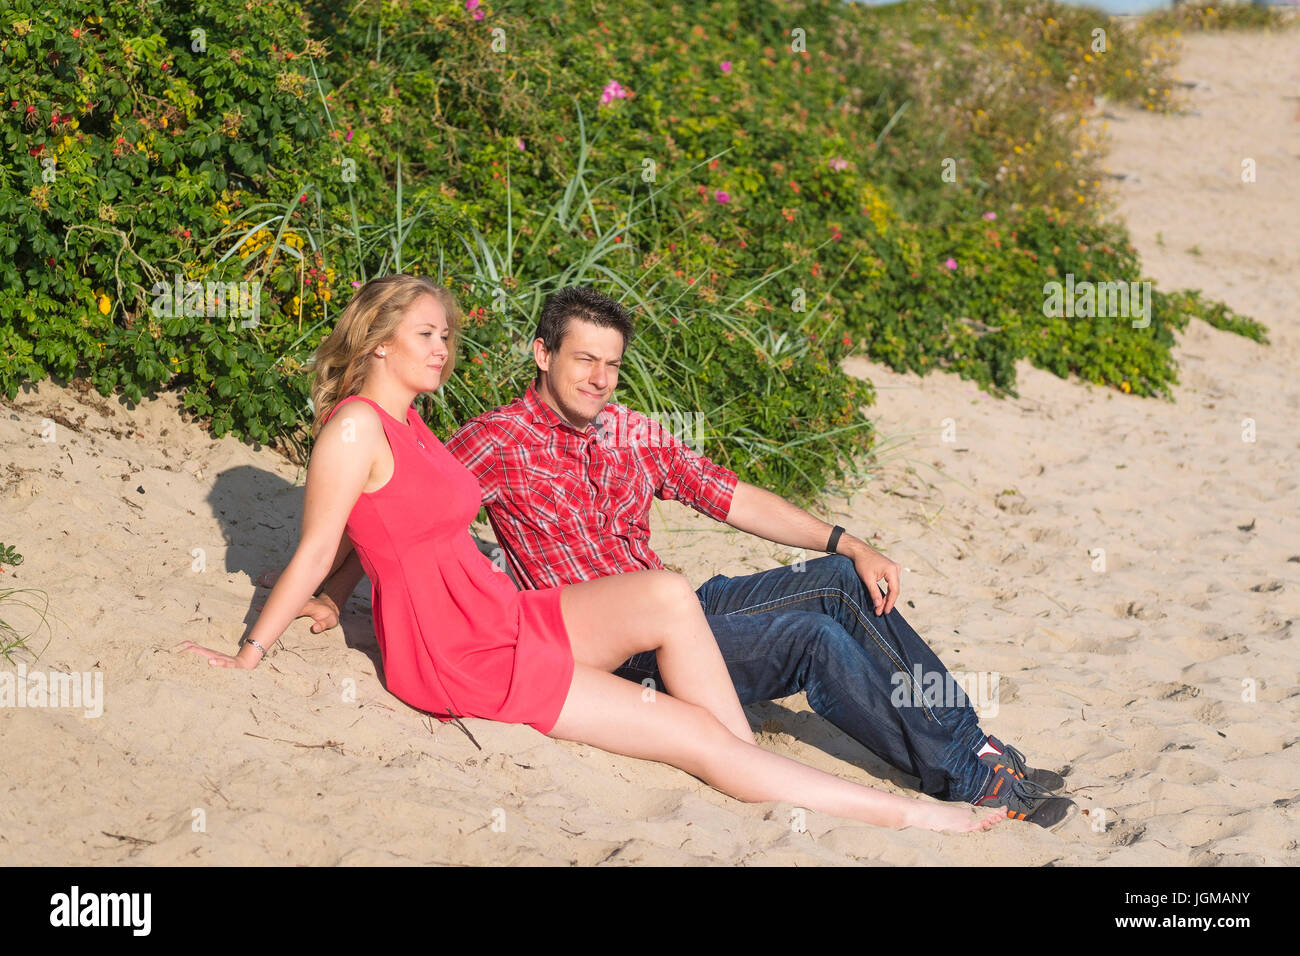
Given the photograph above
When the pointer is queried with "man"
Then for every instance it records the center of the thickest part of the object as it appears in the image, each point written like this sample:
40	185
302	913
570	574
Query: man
568	478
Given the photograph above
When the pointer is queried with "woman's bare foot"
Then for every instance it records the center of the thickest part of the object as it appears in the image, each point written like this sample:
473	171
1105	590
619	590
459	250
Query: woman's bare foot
322	610
952	817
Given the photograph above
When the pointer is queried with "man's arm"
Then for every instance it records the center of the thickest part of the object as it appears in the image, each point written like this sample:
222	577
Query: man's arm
770	516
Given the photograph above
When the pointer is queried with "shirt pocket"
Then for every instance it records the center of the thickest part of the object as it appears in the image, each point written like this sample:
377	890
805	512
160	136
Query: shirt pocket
626	492
546	494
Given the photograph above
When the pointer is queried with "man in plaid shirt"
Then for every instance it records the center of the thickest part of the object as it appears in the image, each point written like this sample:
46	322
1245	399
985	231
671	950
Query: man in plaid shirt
568	478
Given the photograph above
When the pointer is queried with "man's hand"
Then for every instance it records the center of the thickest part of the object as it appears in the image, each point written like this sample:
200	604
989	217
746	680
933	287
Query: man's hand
872	566
321	609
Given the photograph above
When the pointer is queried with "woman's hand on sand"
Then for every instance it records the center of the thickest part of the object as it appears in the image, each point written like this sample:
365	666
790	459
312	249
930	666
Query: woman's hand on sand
322	610
218	658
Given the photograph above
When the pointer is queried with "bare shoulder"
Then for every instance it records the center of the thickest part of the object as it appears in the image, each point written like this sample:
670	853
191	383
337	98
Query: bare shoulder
356	426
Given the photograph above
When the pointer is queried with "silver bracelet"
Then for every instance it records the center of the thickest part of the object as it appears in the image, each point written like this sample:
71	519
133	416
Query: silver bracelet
249	640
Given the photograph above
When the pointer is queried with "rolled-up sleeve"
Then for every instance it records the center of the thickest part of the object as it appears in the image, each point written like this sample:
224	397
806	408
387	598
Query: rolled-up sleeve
684	475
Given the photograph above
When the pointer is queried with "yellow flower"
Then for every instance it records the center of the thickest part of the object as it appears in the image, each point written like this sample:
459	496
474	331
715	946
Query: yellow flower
104	304
1127	388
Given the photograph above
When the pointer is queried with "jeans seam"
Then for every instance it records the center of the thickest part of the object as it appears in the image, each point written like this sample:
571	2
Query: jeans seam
803	596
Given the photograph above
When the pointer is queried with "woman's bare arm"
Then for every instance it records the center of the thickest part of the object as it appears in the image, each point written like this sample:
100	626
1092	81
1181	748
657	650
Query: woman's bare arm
338	471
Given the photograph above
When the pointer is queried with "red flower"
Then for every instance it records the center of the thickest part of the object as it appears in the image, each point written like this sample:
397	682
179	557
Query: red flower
186	233
846	340
302	198
76	32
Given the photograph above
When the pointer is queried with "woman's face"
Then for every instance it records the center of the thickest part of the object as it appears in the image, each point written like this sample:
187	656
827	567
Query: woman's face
416	354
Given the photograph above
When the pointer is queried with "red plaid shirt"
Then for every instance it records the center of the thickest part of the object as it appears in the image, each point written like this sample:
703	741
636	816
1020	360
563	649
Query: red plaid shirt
569	505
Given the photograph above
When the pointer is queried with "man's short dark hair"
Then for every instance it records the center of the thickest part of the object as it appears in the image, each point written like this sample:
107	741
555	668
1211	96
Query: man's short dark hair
580	302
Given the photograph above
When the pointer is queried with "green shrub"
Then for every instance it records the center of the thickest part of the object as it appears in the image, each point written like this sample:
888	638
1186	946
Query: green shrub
765	207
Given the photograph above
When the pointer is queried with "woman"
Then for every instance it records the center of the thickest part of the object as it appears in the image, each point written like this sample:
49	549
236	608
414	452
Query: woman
455	636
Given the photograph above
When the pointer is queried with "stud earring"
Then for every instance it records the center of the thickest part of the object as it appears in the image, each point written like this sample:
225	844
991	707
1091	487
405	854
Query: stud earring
381	353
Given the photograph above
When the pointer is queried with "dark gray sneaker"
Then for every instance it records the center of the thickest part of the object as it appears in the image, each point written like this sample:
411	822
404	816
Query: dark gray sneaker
1023	799
1016	761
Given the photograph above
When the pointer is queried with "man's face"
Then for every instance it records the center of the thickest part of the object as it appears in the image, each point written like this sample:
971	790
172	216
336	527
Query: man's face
578	379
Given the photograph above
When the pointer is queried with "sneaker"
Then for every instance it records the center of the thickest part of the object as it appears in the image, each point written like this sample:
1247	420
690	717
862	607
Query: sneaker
1013	758
1024	799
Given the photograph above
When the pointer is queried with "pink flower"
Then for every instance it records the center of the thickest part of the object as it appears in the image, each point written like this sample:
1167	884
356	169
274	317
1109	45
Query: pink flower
612	91
478	14
721	196
726	66
951	263
356	284
349	136
520	143
990	215
471	4
838	163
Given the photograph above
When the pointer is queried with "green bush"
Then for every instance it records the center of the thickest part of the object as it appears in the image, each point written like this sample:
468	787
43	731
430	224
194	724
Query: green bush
762	183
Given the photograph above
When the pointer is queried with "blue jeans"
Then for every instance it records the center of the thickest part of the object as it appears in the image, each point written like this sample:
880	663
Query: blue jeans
815	630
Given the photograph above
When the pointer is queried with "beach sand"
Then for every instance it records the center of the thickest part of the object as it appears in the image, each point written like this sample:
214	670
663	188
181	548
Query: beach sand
1166	682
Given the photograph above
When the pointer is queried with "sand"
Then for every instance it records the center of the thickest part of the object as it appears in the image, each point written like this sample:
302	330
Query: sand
1166	682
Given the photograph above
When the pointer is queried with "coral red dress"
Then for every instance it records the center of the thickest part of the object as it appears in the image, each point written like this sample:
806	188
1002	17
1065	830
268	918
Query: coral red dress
456	637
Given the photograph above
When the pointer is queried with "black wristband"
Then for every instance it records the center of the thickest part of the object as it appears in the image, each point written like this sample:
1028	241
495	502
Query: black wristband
835	539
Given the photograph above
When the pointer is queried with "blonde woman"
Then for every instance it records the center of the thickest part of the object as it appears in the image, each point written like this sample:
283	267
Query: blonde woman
455	636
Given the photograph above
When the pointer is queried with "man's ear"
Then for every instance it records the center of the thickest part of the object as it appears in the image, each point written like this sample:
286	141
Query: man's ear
541	356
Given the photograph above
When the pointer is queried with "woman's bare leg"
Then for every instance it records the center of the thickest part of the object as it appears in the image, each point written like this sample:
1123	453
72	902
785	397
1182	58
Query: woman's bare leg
611	713
611	618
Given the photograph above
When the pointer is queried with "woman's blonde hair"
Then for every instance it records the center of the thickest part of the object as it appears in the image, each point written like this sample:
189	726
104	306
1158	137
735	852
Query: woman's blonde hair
342	361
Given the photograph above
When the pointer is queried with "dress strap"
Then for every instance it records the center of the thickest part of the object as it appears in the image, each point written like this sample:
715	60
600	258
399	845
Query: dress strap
349	398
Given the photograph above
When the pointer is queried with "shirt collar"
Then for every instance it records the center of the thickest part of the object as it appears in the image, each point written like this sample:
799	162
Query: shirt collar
541	413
